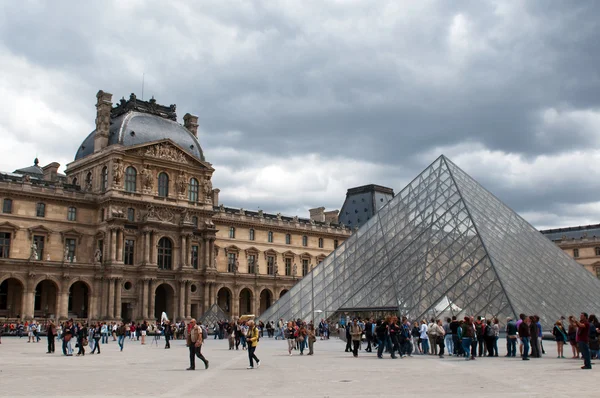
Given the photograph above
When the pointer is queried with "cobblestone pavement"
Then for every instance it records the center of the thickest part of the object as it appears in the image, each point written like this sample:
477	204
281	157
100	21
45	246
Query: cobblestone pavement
26	370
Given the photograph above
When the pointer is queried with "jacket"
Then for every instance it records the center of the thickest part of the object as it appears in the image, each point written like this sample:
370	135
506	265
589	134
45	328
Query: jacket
252	337
196	335
355	332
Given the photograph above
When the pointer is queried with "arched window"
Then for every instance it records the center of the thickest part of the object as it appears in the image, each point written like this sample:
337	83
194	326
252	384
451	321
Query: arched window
165	253
130	179
193	190
270	236
251	237
88	180
104	179
305	240
74	182
320	243
288	239
232	233
163	185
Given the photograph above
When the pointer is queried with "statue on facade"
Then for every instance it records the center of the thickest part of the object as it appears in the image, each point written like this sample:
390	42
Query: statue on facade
98	256
181	183
147	178
295	219
66	257
151	211
48	257
294	269
207	188
117	172
34	252
275	269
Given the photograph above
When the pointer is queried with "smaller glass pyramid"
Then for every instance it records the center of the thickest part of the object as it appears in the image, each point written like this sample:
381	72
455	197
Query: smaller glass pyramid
445	246
212	316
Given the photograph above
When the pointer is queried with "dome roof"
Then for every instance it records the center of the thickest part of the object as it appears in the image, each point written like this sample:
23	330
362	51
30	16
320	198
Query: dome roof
134	123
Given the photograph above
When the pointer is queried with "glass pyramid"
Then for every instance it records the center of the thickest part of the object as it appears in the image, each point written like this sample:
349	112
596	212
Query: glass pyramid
212	316
444	246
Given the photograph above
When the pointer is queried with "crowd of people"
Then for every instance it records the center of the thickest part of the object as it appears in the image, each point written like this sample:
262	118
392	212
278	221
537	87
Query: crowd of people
468	338
473	337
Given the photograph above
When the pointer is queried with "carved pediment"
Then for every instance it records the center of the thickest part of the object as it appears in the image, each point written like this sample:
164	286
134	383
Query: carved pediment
71	233
232	249
159	213
9	226
166	150
289	253
38	230
306	255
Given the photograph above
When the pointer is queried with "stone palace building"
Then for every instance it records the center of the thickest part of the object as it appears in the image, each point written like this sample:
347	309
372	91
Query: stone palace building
135	228
580	242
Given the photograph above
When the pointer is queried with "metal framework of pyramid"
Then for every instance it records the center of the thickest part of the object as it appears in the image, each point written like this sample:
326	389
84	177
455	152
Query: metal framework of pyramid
213	315
444	245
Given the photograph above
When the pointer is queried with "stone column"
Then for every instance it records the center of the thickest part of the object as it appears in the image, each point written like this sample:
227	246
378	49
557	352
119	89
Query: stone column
119	245
144	301
63	310
111	298
256	308
213	299
206	293
204	258
235	305
182	255
188	299
118	298
211	253
181	299
188	251
152	299
29	298
113	245
146	247
153	244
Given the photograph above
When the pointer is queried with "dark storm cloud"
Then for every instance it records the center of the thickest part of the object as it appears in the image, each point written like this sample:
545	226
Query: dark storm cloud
384	83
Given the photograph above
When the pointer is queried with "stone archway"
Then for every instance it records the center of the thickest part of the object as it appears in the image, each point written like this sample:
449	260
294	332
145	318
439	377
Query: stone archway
283	292
224	300
11	298
79	300
164	301
266	300
246	302
46	299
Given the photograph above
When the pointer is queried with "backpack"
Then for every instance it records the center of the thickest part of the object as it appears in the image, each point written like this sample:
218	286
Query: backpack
479	329
489	331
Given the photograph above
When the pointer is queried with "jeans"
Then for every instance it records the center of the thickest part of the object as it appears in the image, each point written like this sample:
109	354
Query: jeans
355	344
495	346
481	345
511	347
291	343
167	338
243	341
449	340
457	345
104	338
252	356
50	343
466	344
380	346
121	341
584	348
66	347
525	347
96	345
425	345
196	352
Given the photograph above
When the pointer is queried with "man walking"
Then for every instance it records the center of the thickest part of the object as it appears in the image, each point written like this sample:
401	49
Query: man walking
356	334
252	339
583	339
167	331
120	331
51	335
194	343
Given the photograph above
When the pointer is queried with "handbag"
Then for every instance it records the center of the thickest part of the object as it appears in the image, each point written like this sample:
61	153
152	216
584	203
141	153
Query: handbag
301	339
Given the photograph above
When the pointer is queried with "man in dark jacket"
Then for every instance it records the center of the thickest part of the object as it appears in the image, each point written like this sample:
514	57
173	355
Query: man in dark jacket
168	332
51	335
525	335
511	338
369	334
381	333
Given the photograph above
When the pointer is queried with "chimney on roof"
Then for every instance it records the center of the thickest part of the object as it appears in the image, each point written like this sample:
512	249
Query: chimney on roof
103	107
51	171
190	122
317	214
215	196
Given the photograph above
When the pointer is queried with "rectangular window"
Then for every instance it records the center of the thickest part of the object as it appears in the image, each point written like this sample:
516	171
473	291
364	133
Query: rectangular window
305	240
130	214
304	267
72	214
270	265
288	239
102	215
575	253
38	241
40	210
70	246
270	237
288	266
231	259
4	244
7	206
335	244
251	264
129	251
320	243
195	256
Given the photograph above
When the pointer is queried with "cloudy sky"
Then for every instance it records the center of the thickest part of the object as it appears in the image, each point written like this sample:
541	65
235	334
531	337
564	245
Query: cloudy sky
300	100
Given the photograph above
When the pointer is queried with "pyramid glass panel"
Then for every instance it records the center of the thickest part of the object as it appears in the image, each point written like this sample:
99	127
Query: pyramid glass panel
444	245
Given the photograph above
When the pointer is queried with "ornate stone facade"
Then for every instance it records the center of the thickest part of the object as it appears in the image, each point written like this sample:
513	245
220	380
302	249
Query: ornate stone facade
136	229
581	242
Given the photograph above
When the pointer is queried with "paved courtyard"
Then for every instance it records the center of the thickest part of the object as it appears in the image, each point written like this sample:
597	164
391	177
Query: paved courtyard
153	371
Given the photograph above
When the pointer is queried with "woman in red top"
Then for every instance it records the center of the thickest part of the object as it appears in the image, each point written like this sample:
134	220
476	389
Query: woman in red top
132	331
